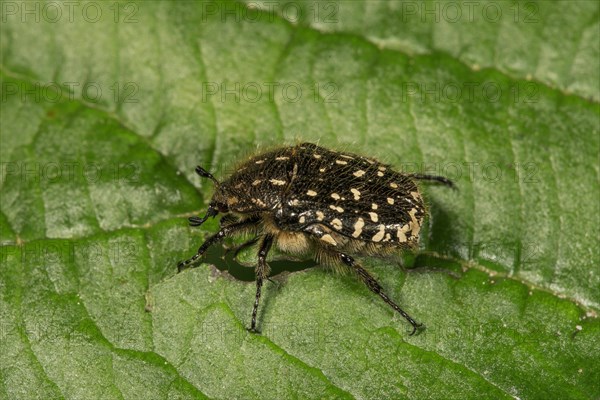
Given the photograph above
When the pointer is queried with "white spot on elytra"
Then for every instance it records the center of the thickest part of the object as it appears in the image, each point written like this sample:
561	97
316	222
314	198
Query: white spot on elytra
379	173
256	182
374	216
356	193
335	196
393	185
379	235
415	195
390	200
294	202
412	214
359	173
374	206
336	223
302	219
320	216
317	156
336	208
358	225
382	168
329	239
311	193
416	227
282	158
401	235
277	182
341	162
259	162
321	169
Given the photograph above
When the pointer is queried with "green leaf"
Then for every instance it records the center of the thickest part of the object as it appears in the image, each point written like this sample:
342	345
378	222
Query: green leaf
515	37
107	108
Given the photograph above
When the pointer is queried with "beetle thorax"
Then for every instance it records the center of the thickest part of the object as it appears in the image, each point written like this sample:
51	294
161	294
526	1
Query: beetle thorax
244	194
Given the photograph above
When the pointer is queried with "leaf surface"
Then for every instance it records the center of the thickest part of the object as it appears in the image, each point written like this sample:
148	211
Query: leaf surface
103	122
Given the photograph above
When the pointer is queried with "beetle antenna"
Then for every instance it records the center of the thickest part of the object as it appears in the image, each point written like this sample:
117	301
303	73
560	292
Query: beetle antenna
205	174
212	211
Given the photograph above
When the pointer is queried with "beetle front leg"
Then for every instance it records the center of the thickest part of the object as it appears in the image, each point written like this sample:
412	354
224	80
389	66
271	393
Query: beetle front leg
262	270
217	237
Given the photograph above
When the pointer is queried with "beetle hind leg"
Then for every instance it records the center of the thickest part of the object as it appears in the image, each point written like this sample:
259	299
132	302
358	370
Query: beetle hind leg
372	284
434	178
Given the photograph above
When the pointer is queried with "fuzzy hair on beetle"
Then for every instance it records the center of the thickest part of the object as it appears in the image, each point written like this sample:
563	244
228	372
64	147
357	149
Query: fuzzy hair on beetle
306	199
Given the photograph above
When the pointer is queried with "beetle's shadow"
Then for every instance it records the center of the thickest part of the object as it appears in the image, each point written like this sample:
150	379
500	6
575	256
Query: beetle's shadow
225	261
442	229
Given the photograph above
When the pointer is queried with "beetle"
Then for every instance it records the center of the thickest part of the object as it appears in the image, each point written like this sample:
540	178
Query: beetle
308	199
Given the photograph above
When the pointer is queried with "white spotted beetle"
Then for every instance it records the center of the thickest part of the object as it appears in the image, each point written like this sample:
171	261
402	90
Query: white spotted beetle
308	199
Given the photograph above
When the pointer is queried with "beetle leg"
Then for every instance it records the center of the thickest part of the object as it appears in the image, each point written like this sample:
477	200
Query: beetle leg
217	237
197	221
262	270
374	286
435	178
